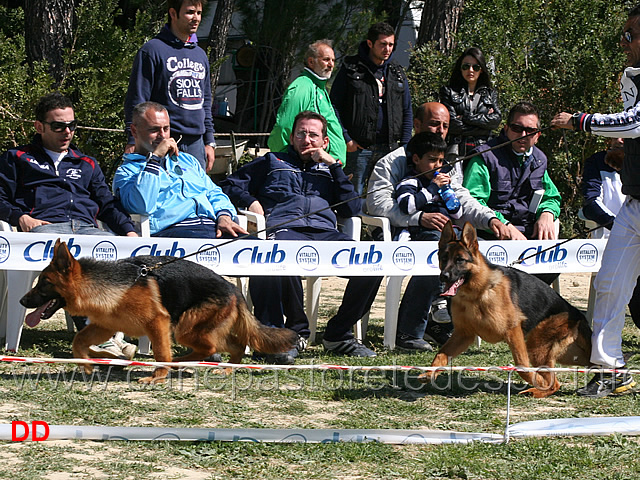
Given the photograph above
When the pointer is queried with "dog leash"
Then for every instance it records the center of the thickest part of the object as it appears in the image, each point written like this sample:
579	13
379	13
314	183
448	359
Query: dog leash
451	163
575	237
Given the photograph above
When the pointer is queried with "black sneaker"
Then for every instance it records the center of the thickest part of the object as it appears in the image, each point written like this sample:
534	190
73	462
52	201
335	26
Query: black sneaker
408	342
438	333
603	384
285	358
350	347
216	357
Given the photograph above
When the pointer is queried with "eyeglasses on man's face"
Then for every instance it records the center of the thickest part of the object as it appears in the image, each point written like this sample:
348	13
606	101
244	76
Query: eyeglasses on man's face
475	67
62	126
313	136
521	128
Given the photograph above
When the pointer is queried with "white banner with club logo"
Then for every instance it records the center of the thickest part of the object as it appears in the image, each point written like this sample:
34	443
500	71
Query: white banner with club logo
33	251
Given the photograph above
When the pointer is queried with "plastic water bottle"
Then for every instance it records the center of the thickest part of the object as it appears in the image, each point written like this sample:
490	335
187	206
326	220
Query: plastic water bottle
449	197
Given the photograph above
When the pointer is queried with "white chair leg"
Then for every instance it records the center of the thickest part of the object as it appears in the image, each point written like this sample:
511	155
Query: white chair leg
314	284
360	328
144	345
392	303
243	285
4	301
18	283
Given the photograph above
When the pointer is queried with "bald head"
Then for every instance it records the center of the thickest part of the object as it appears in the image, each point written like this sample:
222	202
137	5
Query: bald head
432	117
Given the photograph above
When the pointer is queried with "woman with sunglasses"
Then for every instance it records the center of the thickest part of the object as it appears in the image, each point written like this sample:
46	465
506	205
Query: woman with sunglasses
472	103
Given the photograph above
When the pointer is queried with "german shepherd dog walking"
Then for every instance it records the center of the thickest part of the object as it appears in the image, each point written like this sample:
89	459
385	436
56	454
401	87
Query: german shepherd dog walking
205	312
505	304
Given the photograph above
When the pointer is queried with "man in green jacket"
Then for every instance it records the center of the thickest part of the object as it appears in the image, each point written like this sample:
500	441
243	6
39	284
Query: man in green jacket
309	92
514	181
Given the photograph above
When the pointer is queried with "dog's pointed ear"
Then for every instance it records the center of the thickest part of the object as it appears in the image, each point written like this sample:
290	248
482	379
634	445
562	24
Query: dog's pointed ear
62	258
447	235
470	237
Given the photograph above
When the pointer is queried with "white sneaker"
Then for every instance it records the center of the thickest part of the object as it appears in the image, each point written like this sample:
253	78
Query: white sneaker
115	347
439	311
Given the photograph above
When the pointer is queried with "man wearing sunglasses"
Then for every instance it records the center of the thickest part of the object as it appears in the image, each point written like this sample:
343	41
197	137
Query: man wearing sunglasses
49	186
514	181
620	265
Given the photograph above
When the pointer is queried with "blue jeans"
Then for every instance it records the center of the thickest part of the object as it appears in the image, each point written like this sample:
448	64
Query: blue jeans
193	145
76	227
361	162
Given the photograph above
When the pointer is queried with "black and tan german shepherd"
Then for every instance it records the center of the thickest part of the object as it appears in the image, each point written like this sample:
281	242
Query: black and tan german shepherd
505	304
204	311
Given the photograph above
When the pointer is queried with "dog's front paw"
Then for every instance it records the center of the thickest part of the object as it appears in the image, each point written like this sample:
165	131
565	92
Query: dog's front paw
427	377
537	393
152	380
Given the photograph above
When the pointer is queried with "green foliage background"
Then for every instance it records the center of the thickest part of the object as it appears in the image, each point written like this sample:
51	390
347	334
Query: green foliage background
562	55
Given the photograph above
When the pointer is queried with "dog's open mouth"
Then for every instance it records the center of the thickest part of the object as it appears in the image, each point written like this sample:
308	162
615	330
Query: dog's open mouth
453	288
43	312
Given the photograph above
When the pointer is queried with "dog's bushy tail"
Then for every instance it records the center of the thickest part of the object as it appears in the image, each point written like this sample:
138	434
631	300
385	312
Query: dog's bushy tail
260	338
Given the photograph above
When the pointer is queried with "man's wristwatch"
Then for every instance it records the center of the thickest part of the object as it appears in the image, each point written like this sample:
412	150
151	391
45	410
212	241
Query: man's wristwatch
212	144
153	158
575	121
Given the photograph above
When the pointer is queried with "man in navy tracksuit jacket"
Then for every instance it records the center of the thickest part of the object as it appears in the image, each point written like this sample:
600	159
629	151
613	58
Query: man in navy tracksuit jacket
294	191
50	186
172	70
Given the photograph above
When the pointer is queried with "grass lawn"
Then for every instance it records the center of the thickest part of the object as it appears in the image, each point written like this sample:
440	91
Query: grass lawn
469	402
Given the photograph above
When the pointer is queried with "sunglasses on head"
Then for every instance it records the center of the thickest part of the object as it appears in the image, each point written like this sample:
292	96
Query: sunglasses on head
519	129
62	126
626	36
475	67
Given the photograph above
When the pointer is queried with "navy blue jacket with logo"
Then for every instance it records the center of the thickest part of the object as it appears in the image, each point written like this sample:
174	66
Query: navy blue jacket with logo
175	74
29	185
288	189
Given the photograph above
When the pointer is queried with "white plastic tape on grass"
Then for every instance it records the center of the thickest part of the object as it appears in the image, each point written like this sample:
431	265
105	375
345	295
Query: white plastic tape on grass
258	435
538	428
576	426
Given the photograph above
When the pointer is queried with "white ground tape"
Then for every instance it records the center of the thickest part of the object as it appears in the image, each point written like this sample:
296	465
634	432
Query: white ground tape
538	428
258	435
576	426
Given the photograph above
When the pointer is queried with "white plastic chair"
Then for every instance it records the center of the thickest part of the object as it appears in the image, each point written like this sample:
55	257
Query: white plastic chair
13	285
350	226
394	284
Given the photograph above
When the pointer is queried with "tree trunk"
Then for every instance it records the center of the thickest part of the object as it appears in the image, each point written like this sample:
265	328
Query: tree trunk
439	23
48	33
218	39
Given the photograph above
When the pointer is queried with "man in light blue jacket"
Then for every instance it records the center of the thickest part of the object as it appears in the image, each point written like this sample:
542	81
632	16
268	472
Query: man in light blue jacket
170	186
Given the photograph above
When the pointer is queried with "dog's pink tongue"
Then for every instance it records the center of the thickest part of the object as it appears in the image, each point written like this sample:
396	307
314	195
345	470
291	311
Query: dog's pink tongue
34	317
453	289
